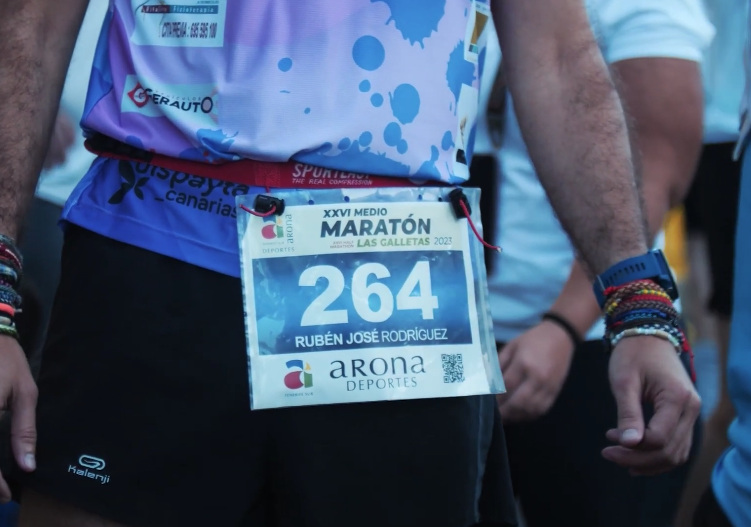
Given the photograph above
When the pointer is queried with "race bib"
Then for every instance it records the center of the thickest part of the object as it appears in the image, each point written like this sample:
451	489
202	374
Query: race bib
363	295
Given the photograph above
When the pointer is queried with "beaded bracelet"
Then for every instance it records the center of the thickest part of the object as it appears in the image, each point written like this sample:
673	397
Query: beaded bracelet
640	308
9	330
635	332
11	264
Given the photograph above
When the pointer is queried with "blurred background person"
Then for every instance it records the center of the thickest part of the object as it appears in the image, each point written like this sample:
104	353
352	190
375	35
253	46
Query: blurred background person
711	212
544	310
727	501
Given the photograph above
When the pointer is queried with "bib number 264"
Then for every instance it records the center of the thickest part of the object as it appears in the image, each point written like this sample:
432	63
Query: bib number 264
317	315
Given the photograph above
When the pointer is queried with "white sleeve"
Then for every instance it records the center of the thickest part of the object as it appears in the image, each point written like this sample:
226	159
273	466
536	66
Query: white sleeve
631	29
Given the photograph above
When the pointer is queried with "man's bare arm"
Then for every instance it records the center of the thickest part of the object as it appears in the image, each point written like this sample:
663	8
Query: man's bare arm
573	124
664	99
37	44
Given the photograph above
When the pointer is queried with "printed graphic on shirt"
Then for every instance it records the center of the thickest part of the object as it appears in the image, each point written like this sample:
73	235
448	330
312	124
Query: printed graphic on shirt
465	134
184	23
352	87
196	104
465	67
407	70
476	36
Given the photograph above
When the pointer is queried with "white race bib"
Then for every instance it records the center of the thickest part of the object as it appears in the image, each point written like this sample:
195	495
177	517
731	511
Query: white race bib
362	300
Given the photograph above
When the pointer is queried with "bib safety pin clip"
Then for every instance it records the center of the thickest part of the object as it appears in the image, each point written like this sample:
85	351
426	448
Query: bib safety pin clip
265	206
462	209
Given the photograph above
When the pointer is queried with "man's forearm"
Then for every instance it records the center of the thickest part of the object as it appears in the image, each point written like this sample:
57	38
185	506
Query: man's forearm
577	302
38	40
663	96
574	127
580	147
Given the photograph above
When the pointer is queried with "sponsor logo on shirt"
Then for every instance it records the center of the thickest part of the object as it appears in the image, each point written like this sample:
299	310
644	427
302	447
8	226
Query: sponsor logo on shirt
191	23
171	101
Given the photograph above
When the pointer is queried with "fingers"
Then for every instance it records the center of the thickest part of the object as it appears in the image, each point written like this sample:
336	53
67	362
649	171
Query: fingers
513	407
528	402
627	390
661	428
678	445
506	355
684	438
23	424
513	376
667	439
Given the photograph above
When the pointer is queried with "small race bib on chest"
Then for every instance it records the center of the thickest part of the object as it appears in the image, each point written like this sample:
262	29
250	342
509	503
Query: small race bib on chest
358	295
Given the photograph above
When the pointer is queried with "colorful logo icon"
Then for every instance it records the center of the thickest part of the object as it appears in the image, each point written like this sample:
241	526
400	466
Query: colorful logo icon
300	377
139	95
272	228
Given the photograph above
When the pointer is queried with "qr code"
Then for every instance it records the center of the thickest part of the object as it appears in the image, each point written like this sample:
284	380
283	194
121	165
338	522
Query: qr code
453	368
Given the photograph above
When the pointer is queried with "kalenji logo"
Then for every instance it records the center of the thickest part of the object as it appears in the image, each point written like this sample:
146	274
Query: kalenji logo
90	462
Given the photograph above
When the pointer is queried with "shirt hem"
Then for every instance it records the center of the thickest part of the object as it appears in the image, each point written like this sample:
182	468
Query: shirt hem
106	224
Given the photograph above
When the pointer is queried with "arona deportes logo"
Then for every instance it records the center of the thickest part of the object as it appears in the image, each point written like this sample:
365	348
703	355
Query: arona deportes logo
301	377
272	228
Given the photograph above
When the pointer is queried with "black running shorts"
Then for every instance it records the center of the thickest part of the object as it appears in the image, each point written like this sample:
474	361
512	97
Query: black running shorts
144	418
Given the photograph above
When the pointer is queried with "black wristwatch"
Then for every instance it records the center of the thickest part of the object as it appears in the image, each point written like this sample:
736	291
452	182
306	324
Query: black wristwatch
650	266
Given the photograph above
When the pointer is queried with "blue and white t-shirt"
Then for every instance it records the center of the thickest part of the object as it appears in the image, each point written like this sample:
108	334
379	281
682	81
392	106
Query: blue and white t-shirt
383	87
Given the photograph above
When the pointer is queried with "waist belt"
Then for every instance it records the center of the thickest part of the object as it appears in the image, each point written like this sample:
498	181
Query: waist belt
249	172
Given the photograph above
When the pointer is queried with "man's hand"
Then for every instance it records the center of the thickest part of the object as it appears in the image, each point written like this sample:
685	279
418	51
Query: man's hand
647	369
18	393
63	136
535	366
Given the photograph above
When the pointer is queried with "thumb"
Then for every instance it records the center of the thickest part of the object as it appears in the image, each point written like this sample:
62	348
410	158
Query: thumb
23	426
627	392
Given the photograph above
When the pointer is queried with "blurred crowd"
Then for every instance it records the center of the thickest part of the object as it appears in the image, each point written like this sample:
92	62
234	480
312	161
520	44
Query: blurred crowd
678	67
